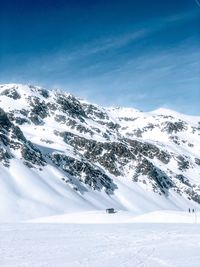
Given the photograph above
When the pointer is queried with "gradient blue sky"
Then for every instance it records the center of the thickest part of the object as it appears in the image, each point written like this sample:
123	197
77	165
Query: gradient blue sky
142	54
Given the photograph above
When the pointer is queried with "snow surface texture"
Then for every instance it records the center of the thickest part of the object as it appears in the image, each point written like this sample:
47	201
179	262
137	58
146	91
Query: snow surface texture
119	245
60	154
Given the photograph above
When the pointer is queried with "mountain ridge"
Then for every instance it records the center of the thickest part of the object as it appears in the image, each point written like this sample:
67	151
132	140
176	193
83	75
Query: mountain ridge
94	157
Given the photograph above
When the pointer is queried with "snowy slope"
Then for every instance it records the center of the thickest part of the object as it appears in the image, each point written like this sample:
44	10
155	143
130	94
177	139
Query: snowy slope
60	154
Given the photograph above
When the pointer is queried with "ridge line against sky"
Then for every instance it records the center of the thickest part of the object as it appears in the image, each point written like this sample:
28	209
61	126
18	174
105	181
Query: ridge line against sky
137	58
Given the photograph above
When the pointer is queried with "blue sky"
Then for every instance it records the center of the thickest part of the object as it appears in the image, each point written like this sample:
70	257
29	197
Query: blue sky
143	54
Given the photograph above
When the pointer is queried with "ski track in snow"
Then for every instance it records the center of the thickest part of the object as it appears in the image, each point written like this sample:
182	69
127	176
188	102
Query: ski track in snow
98	245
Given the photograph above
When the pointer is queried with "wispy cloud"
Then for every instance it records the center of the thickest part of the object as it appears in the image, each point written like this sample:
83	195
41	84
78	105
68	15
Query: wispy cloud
113	42
63	59
161	75
183	16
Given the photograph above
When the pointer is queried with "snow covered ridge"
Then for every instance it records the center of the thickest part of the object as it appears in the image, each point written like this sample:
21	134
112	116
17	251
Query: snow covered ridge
61	154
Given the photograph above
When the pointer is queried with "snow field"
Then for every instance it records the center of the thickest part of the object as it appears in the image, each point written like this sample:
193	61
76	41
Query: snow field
103	245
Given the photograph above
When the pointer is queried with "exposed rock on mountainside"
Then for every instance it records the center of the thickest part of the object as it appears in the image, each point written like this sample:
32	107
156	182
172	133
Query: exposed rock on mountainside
93	148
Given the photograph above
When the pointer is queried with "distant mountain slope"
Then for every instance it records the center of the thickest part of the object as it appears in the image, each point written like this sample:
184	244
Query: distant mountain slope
61	154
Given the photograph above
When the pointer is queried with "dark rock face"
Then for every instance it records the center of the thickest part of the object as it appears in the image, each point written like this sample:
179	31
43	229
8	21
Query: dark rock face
43	92
74	125
159	179
94	113
32	155
197	161
12	93
174	127
85	171
4	121
39	110
71	106
192	194
183	163
12	138
183	179
21	121
107	154
4	157
19	117
149	150
115	156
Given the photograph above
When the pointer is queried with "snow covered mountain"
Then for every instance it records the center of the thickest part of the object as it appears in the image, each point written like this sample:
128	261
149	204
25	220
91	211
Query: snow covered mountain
62	154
